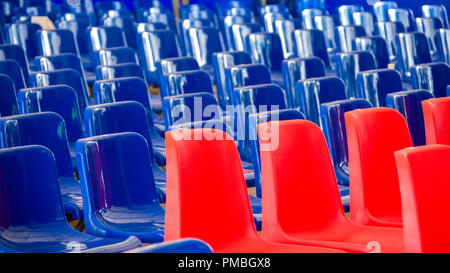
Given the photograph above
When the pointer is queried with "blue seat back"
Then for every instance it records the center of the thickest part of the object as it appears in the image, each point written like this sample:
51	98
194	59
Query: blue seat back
345	35
126	23
374	85
188	108
46	129
346	12
284	28
105	37
381	9
185	82
377	45
253	121
167	19
227	28
68	77
115	171
409	104
315	91
24	35
55	42
78	29
310	43
15	52
221	61
61	61
436	11
61	99
265	48
348	65
115	55
431	76
296	69
240	33
333	126
204	43
29	177
442	41
12	69
8	100
106	72
412	49
187	24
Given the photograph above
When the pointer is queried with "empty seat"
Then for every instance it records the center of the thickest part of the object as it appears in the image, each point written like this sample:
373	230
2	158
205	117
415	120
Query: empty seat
412	49
286	174
78	29
184	82
334	129
365	20
374	85
105	37
403	16
381	9
54	42
428	26
205	42
409	104
436	11
284	28
124	22
346	12
227	28
14	52
24	35
373	135
310	93
119	188
226	222
431	76
126	116
377	45
308	16
270	18
30	178
388	30
442	42
167	19
46	129
114	71
171	65
187	24
240	33
435	114
8	97
325	23
346	34
348	65
12	69
310	43
116	55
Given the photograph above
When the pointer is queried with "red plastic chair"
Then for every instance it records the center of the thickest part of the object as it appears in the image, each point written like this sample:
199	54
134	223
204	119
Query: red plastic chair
207	195
424	185
436	115
301	196
373	135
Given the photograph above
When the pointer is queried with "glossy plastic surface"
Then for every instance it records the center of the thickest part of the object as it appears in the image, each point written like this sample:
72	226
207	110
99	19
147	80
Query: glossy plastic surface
12	69
435	113
116	55
119	199
8	100
14	52
185	82
205	42
310	43
374	85
431	76
114	71
265	48
24	35
373	135
177	246
286	173
346	34
442	42
240	33
54	42
412	49
105	37
377	45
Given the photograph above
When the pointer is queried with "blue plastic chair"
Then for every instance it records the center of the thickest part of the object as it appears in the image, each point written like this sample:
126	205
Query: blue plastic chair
377	45
105	37
325	23
310	43
280	8
171	65
167	19
284	28
436	11
118	188
431	76
365	19
245	74
381	9
412	49
185	10
24	35
348	65
403	16
78	29
68	77
46	129
333	125
296	69
15	52
311	93
114	71
142	12
441	40
33	218
177	246
12	69
374	85
388	30
204	43
61	99
253	121
240	32
270	18
265	48
151	50
115	55
134	89
345	35
187	24
8	100
185	82
55	42
409	104
308	17
227	28
346	12
127	116
428	26
126	23
221	61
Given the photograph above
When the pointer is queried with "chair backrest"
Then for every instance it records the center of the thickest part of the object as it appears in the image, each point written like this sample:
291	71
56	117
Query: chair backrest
8	98
325	23
221	61
46	129
381	9
270	18
295	69
115	171
436	11
78	29
431	76
284	28
240	33
105	37
409	104
435	114
373	135
167	19
114	71
312	92
29	177
442	41
346	34
366	20
374	85
346	12
310	43
388	30
151	50
126	23
265	48
68	77
15	52
116	55
57	41
12	69
24	35
412	49
205	42
348	65
334	129
227	28
423	177
185	82
403	16
253	121
61	61
286	173
195	176
187	24
375	44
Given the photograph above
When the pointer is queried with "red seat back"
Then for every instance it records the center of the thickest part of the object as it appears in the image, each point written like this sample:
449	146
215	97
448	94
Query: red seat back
436	115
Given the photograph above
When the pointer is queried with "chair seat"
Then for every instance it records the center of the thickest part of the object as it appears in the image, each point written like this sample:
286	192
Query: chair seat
71	197
58	238
144	222
156	103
